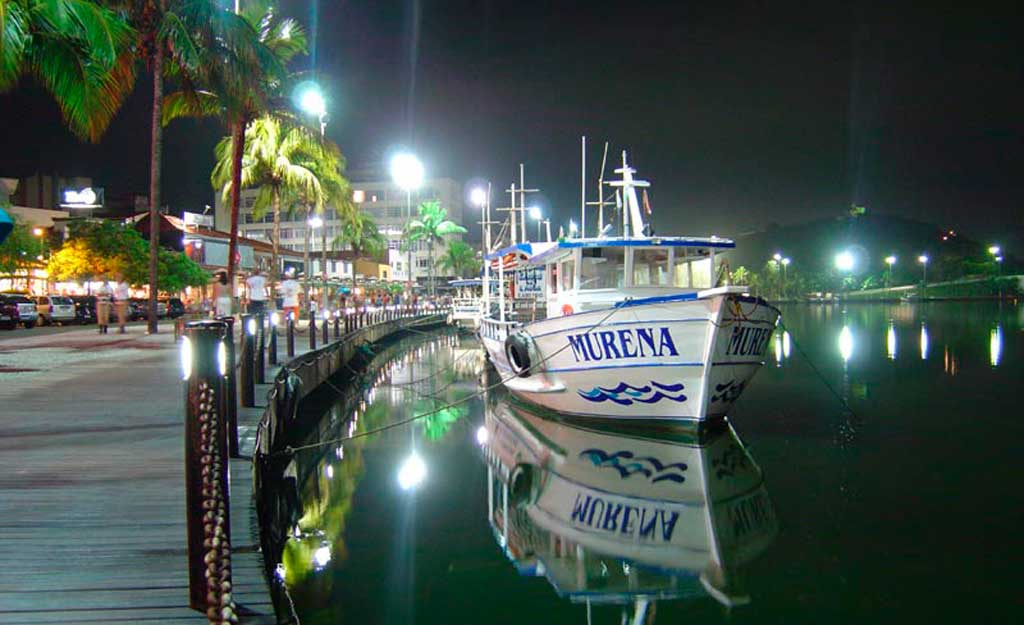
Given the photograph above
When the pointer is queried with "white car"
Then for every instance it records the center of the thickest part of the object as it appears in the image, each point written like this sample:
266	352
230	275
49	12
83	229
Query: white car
55	309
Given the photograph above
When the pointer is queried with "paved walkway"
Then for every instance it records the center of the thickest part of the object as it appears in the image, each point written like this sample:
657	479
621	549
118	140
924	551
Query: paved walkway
92	498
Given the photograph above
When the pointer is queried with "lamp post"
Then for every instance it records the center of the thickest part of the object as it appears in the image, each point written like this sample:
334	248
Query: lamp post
844	263
785	263
996	253
482	200
889	261
311	100
313	223
407	173
923	259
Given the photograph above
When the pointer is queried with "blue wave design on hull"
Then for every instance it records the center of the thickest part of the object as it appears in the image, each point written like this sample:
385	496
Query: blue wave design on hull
626	464
626	394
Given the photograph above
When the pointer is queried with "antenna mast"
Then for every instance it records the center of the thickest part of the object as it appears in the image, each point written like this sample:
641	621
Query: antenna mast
600	203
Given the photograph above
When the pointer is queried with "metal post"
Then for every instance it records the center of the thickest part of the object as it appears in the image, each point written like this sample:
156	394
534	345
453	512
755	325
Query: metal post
247	359
230	403
261	349
272	347
291	336
312	332
326	328
337	327
207	496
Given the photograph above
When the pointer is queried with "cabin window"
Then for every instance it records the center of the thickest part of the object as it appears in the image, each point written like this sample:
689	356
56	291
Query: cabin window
602	268
692	271
650	267
568	269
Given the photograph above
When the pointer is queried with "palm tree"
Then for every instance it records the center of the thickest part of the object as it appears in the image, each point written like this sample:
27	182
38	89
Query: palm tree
76	50
360	234
432	226
276	161
459	258
238	92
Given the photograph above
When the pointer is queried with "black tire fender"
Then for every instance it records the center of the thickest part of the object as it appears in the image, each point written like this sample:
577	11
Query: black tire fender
519	351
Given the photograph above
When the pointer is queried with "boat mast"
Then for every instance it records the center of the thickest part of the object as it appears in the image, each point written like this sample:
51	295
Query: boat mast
632	219
583	188
600	203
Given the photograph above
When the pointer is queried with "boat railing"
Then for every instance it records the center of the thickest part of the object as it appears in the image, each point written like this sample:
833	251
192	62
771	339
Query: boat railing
496	329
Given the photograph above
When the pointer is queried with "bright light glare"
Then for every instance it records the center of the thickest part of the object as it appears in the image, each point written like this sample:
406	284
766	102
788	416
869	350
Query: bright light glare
315	221
407	171
251	326
312	101
275	318
482	435
923	259
412	473
785	344
222	358
186	358
890	342
777	257
995	346
844	261
924	342
890	260
785	262
778	350
535	212
994	250
322	556
329	471
478	196
846	343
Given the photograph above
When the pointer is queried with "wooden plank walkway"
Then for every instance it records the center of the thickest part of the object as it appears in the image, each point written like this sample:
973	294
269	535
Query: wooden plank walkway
92	498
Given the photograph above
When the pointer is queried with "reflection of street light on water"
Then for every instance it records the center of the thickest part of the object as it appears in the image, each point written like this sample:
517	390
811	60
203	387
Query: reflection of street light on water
995	346
924	341
846	343
412	472
890	341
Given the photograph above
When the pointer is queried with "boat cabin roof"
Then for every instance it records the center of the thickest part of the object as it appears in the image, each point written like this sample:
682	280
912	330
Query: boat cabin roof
463	282
544	253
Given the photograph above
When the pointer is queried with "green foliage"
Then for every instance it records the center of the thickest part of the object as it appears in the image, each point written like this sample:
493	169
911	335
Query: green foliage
857	211
20	250
432	226
459	258
76	49
360	233
106	250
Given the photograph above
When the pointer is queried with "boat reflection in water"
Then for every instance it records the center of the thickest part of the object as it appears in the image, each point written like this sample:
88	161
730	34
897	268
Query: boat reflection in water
618	518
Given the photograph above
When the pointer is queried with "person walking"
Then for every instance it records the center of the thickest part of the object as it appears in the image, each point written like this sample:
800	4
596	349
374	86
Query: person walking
103	294
257	292
290	296
121	295
222	295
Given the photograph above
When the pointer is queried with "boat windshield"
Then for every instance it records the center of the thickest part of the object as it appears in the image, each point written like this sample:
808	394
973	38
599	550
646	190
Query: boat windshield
650	267
692	272
603	268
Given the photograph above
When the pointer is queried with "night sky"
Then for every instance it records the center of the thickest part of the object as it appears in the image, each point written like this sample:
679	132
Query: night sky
739	113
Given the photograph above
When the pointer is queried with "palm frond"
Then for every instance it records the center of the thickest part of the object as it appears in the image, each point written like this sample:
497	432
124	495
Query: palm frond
14	39
190	104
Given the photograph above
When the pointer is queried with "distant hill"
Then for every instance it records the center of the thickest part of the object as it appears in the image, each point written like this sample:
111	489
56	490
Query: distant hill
812	247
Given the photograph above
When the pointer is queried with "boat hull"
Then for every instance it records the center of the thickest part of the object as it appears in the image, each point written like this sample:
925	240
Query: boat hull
672	358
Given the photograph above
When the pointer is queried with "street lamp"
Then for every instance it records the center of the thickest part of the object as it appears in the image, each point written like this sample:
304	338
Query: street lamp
785	263
535	214
994	250
407	173
889	261
923	259
311	100
312	223
844	261
777	257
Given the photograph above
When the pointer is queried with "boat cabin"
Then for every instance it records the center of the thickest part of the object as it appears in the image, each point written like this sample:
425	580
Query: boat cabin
588	274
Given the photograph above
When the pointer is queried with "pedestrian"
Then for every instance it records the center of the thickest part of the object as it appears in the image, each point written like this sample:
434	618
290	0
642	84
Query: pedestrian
290	296
121	295
222	295
103	294
257	292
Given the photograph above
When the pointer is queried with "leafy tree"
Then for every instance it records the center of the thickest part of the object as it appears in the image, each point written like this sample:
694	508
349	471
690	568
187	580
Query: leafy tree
432	226
20	250
239	89
459	258
276	161
75	49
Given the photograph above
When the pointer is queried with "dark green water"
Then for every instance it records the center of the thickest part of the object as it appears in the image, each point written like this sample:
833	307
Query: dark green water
910	509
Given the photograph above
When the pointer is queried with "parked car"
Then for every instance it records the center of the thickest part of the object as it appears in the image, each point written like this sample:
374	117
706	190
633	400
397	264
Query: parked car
9	317
138	309
175	307
85	308
27	313
55	309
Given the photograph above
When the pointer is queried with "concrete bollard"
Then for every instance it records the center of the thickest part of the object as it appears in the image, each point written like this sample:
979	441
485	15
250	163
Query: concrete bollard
247	357
230	403
337	326
275	318
291	336
208	522
327	327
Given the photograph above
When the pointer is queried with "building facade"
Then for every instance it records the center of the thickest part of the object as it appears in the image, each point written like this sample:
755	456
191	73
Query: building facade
380	198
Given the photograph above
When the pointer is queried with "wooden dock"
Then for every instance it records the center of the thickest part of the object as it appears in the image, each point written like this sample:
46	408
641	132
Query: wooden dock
92	497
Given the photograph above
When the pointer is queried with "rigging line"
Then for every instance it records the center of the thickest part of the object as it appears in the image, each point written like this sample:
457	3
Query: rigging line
818	372
289	450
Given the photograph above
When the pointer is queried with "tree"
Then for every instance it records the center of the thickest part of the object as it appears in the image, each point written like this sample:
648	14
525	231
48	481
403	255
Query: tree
239	90
76	50
276	161
460	259
432	226
359	232
20	251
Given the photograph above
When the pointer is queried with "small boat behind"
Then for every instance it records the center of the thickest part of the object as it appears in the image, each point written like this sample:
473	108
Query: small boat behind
467	303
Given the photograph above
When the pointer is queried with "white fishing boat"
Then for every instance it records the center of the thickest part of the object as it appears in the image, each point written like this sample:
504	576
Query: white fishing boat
467	303
630	326
624	518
